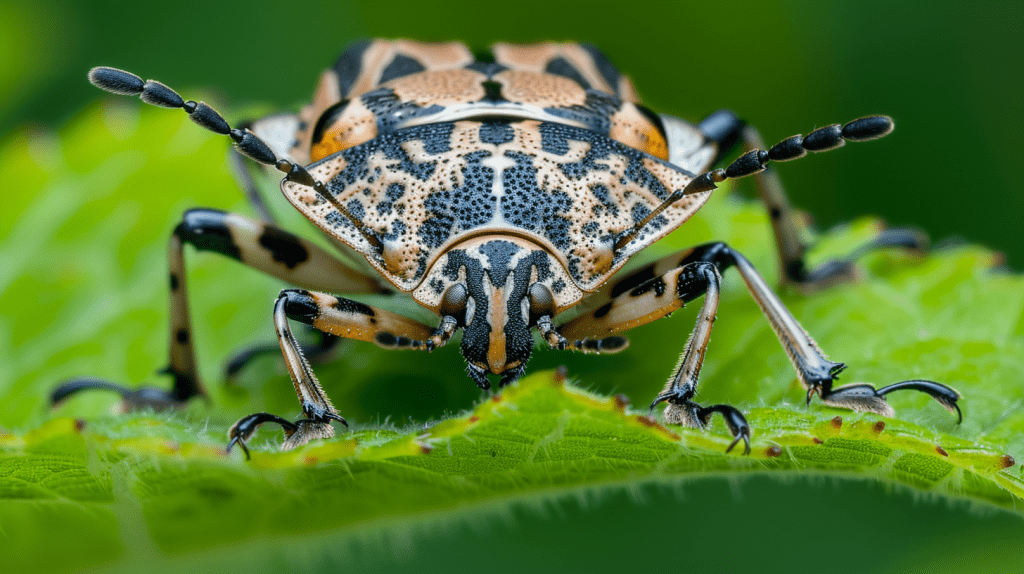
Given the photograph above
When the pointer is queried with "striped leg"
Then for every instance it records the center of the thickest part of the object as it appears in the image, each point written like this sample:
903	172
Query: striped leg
258	245
724	127
660	288
343	318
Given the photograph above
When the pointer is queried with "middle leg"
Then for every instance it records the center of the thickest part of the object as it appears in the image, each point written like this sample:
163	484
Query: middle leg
637	302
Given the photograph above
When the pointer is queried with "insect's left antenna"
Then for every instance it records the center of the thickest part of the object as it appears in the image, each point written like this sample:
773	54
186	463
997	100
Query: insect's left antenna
247	143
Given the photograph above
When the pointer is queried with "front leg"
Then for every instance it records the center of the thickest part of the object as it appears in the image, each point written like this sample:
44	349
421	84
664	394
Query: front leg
343	318
645	301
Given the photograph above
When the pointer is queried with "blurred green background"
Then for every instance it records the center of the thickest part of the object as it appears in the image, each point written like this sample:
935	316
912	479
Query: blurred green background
950	74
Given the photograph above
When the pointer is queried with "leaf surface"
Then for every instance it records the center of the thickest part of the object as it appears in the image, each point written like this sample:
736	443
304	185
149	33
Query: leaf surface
85	222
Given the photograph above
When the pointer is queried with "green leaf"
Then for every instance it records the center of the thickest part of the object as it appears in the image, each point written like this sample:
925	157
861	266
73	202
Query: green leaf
85	221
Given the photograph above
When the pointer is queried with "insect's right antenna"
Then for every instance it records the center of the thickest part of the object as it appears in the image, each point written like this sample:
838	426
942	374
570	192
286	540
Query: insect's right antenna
247	143
755	161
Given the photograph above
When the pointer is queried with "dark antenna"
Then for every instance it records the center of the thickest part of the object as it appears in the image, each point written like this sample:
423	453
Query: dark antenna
247	143
754	161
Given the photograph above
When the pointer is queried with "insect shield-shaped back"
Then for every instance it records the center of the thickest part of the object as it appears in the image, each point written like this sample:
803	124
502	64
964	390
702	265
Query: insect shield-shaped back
571	191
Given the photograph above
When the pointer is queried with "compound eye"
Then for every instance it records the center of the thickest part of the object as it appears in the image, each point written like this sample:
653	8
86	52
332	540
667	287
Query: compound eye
542	301
453	304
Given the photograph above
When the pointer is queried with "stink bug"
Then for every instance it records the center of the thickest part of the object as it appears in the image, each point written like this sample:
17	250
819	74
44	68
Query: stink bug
497	192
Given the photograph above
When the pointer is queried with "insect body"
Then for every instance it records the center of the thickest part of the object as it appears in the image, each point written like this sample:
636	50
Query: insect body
497	194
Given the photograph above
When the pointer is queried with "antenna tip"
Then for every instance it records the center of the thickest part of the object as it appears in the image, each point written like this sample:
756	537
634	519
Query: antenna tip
869	128
116	81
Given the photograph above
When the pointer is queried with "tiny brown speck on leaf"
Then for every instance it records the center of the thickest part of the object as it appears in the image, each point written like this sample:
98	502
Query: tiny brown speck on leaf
837	423
817	440
773	451
941	450
646	421
621	402
879	426
1008	461
561	373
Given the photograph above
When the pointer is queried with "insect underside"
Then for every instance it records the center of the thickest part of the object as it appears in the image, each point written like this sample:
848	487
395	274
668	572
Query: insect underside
498	193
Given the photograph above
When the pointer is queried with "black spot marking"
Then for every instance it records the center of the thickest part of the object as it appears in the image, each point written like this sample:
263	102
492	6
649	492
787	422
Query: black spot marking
486	68
613	343
602	194
639	212
175	283
463	208
604	67
492	93
561	67
206	230
386	339
284	247
796	271
349	64
328	119
775	213
400	66
436	286
496	133
595	114
693	281
181	335
654	118
398	229
603	310
525	204
499	257
393	193
558	285
391	112
300	305
634	279
350	306
657	285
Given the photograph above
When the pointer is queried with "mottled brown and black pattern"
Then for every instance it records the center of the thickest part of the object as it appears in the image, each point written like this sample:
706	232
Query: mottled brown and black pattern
379	87
425	188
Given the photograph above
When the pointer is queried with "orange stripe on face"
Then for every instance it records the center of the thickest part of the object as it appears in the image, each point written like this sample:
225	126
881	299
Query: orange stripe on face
496	316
